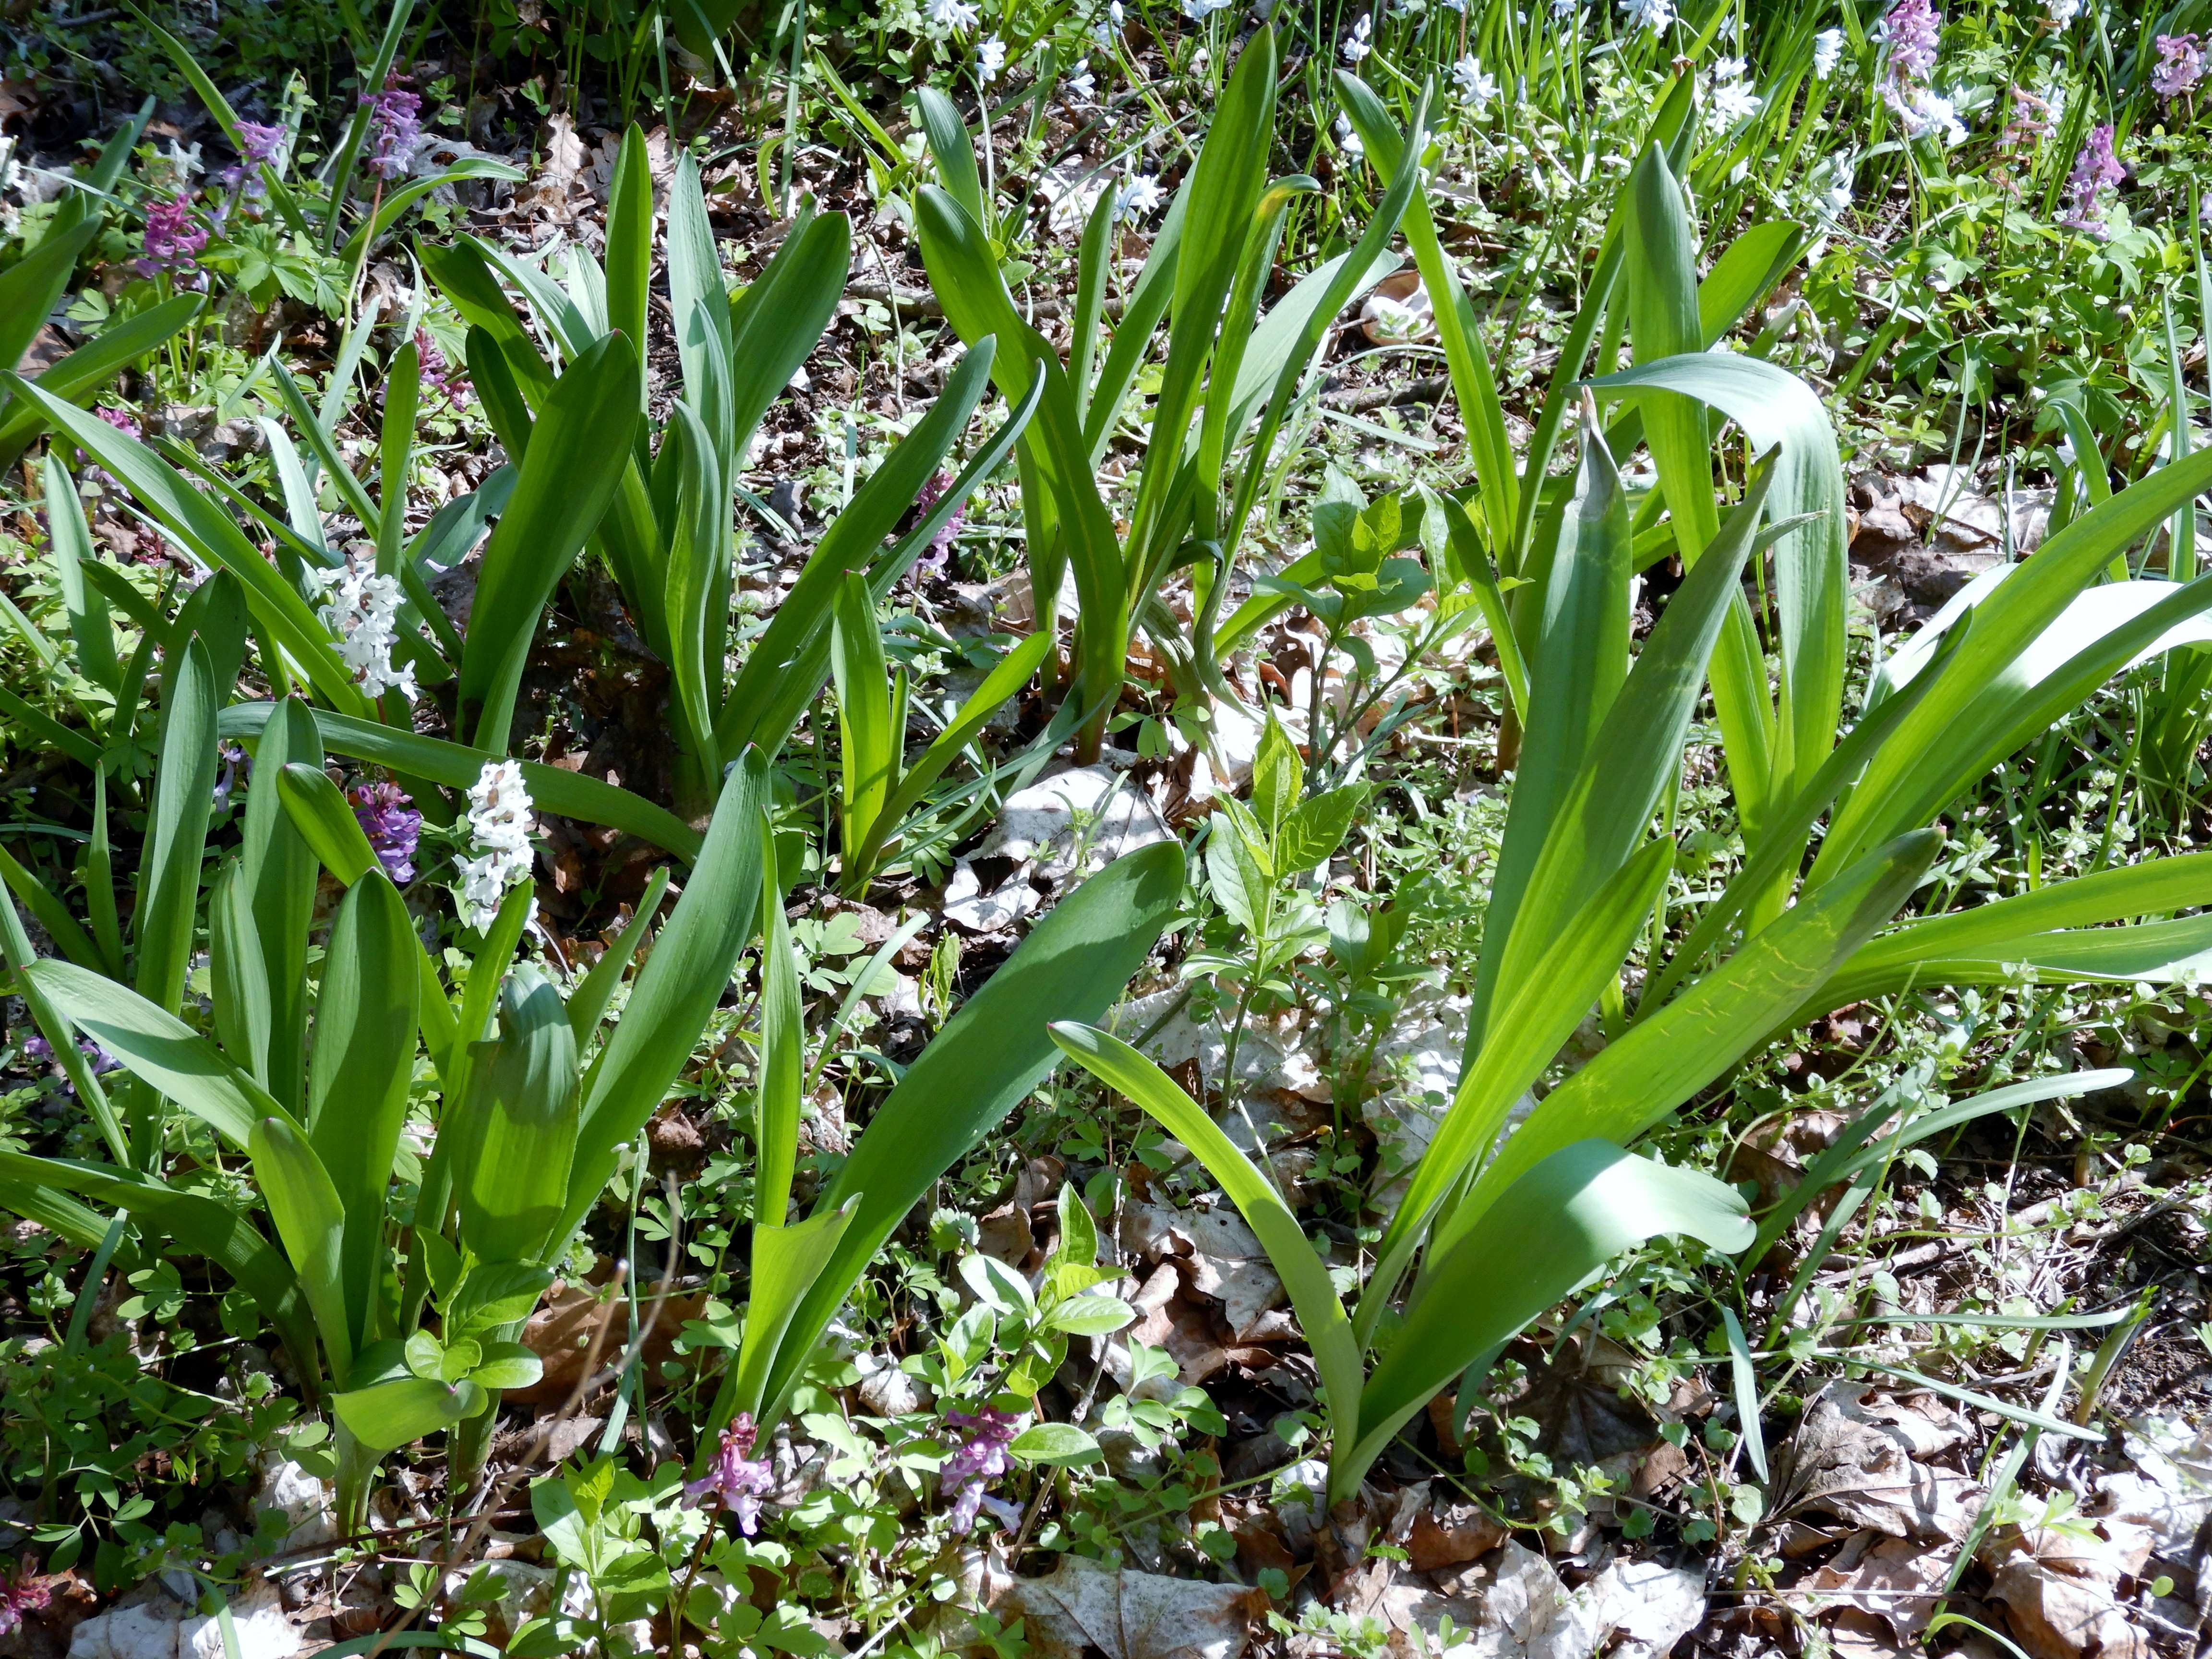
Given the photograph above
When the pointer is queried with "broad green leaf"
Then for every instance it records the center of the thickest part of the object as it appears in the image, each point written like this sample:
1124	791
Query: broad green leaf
987	1059
1559	1222
364	1056
1305	1273
507	1366
696	287
953	149
79	375
238	978
588	1003
1091	1315
311	1222
1637	749
32	287
1000	687
629	241
697	564
866	736
511	1173
1311	835
1278	777
786	1262
776	324
1781	413
2023	607
319	815
1532	1026
1057	1445
385	1416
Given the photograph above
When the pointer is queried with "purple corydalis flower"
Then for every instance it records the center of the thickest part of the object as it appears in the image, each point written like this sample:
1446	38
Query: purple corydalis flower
172	241
2180	65
23	1591
940	546
981	1458
1911	30
2095	168
387	819
739	1480
37	1050
439	377
258	147
234	762
395	122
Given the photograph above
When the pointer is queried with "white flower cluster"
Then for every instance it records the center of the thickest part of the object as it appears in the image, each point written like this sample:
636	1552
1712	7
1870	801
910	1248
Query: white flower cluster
2064	12
990	59
1927	113
1198	11
500	823
1653	14
1827	52
1356	45
953	15
362	611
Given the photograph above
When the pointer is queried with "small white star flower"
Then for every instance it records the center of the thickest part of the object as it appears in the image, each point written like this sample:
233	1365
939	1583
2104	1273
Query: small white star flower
1474	83
1139	198
991	58
1652	14
954	15
1827	52
1356	45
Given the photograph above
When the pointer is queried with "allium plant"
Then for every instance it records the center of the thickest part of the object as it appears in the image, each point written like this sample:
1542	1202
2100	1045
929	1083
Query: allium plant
500	823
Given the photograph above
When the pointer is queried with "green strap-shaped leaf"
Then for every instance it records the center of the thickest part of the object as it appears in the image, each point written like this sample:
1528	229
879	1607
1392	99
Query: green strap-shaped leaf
1662	305
867	742
1559	1221
1778	412
953	149
1304	1273
981	1065
999	688
1527	1036
76	377
696	287
202	525
238	978
588	1003
2006	623
786	1262
278	870
455	766
698	563
677	989
1662	1062
578	451
783	1054
84	604
184	790
1625	770
157	1047
629	241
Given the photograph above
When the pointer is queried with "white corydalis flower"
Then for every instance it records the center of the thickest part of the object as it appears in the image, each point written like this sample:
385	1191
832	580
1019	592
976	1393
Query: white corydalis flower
1929	115
1827	52
1476	85
500	821
362	611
